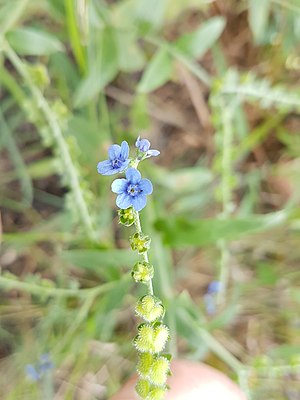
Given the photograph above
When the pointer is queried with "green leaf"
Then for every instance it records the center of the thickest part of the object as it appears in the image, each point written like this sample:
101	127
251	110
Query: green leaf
157	73
258	18
131	58
28	41
197	43
104	69
181	232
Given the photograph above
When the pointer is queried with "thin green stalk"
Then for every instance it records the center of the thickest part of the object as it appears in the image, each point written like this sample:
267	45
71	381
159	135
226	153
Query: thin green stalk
137	223
21	171
74	35
226	197
10	284
70	170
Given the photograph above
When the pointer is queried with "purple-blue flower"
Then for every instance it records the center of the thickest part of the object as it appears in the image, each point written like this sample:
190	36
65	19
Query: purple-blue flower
117	162
143	145
132	191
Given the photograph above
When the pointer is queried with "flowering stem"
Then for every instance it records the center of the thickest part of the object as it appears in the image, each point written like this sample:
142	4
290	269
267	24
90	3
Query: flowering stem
137	223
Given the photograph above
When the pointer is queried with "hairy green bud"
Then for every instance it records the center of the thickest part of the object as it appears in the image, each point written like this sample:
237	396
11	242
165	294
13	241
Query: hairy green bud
157	393
161	336
150	308
159	371
142	272
144	364
126	217
140	242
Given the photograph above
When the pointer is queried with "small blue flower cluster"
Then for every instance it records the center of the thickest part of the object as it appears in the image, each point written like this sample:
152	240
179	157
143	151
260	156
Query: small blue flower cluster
210	297
132	191
37	371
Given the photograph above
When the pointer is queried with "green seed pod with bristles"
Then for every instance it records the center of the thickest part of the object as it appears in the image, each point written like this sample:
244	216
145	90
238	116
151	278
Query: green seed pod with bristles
159	371
149	308
126	217
157	394
145	364
161	336
140	242
142	388
145	338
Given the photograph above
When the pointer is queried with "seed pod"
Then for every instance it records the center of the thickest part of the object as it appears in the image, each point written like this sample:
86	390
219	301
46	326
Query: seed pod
142	272
126	216
150	308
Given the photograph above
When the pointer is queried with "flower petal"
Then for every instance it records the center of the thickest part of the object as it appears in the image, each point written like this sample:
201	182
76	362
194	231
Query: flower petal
119	186
146	186
124	201
114	151
139	202
105	168
152	153
133	175
137	143
124	150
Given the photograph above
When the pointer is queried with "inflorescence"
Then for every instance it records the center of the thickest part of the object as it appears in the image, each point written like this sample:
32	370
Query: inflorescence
153	366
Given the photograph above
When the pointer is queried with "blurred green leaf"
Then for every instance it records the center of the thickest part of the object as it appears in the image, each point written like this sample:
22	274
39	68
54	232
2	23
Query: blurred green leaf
28	41
103	69
151	12
131	57
258	18
197	43
157	73
182	232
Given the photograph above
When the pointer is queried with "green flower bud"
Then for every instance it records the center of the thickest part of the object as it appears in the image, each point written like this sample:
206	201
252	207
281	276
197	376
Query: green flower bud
140	242
142	388
144	364
39	75
142	272
157	394
149	308
159	371
126	217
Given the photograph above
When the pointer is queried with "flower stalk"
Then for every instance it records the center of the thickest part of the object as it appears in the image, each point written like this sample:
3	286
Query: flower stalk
153	366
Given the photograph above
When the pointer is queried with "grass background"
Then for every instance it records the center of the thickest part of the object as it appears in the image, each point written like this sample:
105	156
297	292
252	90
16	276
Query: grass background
215	86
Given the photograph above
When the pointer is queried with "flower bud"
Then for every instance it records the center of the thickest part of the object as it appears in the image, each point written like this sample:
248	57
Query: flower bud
142	272
140	242
149	308
126	217
142	388
161	336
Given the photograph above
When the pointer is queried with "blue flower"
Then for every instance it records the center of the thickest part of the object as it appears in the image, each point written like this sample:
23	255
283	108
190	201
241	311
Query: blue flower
32	373
214	287
143	145
118	160
132	191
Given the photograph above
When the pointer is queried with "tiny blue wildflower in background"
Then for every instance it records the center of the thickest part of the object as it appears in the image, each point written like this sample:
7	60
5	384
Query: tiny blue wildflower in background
32	373
209	298
132	191
118	160
37	371
143	145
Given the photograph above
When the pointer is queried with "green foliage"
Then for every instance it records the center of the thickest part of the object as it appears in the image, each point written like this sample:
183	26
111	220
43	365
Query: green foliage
77	76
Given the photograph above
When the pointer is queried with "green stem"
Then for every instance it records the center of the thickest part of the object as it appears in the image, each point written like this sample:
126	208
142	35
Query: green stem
13	284
137	223
226	196
69	168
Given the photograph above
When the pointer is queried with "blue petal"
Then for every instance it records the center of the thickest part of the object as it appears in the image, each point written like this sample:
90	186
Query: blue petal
152	153
146	186
144	145
105	168
119	186
133	175
32	372
124	201
139	202
124	150
114	151
137	143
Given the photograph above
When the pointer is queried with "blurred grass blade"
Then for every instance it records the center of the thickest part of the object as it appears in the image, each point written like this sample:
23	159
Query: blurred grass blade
10	12
258	17
197	43
16	157
28	41
157	73
104	69
182	232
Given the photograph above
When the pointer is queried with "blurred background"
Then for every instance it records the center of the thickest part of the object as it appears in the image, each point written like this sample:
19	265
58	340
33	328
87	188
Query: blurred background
215	86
